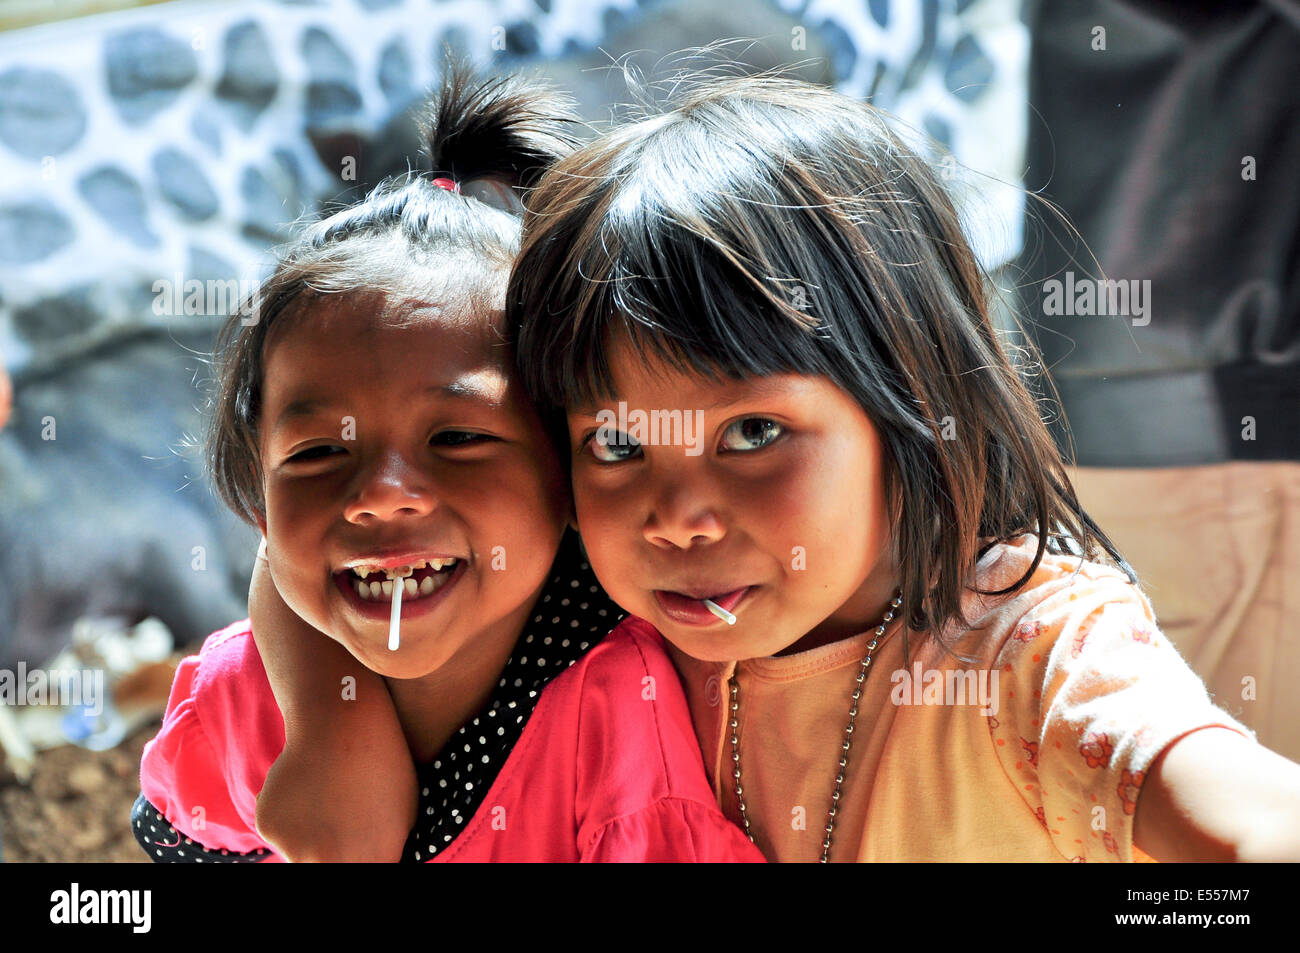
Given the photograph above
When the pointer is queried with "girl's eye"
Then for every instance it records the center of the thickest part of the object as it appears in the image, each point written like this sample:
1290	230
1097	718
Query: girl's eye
314	453
459	438
613	447
752	433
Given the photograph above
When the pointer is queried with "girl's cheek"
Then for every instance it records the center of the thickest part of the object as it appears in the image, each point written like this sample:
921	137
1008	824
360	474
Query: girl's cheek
608	553
285	574
288	550
606	523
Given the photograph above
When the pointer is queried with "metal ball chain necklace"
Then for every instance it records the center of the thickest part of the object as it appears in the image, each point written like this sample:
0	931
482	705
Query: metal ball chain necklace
848	731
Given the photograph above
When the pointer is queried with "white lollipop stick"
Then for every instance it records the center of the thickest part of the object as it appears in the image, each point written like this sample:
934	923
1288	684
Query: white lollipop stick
395	620
720	612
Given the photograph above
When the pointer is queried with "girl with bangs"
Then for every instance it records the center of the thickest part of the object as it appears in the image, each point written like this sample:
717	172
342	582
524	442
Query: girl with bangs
901	635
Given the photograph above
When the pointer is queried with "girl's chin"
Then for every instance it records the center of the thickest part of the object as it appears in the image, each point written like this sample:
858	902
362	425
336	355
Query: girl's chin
709	646
412	659
723	644
398	667
402	673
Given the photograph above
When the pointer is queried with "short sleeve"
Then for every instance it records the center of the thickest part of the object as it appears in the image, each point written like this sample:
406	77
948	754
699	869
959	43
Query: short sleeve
671	830
183	775
1093	693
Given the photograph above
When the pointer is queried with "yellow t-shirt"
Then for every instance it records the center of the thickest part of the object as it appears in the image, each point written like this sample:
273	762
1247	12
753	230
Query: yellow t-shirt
1035	752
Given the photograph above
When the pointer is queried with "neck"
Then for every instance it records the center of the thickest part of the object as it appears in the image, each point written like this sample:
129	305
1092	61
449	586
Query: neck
433	707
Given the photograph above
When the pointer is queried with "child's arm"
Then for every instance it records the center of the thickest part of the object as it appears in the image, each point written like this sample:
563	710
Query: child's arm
344	788
1215	795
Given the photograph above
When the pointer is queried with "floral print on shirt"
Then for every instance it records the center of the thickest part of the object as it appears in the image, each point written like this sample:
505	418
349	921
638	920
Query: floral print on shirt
1090	694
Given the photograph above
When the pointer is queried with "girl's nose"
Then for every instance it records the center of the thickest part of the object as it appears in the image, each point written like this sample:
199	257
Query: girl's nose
391	489
683	516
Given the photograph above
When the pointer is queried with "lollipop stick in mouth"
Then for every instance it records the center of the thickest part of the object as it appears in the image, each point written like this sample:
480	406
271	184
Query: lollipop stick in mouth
720	612
395	619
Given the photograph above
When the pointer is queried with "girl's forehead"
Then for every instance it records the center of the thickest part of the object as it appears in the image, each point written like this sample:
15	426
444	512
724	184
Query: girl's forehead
364	348
341	319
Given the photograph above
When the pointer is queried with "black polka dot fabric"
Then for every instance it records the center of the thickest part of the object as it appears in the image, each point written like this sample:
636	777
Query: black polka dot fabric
572	615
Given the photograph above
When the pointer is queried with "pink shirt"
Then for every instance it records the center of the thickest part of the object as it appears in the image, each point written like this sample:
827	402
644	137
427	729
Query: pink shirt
607	768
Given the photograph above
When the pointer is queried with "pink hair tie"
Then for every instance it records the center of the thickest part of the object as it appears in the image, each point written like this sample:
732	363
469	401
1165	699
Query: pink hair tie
449	184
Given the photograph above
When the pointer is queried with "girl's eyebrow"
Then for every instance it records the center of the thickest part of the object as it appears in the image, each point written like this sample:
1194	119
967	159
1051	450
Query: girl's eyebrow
298	409
467	388
464	388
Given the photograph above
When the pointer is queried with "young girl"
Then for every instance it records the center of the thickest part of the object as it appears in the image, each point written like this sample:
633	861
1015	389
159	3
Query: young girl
414	510
902	637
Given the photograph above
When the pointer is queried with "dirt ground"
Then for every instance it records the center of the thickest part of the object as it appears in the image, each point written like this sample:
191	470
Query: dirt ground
77	806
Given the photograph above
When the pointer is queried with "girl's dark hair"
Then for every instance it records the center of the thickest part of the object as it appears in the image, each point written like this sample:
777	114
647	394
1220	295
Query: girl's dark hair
408	238
765	226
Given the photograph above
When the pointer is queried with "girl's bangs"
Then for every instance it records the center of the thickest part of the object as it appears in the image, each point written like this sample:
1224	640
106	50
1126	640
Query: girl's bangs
678	301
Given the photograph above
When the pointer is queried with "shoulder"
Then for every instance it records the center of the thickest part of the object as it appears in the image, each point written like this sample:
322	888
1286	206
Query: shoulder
632	653
635	742
231	649
1068	632
229	692
1061	597
1005	563
626	668
642	792
228	666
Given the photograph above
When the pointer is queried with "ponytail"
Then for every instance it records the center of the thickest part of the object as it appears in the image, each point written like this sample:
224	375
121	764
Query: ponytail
493	138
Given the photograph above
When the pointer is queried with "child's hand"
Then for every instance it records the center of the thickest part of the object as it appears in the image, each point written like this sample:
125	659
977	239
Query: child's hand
344	788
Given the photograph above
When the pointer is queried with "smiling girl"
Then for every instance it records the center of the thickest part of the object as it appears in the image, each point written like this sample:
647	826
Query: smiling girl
370	424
